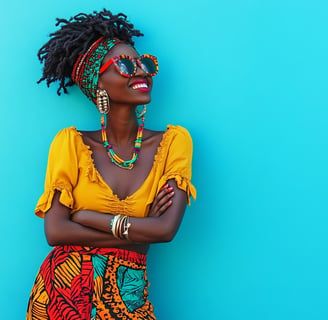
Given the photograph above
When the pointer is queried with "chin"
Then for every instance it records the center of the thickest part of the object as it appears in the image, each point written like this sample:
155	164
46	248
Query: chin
143	101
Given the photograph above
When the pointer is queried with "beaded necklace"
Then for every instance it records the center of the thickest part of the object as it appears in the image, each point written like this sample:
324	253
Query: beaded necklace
128	164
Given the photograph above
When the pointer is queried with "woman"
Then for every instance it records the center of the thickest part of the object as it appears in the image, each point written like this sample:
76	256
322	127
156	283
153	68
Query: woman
101	212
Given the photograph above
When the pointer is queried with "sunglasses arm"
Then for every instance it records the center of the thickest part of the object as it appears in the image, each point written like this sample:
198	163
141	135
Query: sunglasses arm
106	65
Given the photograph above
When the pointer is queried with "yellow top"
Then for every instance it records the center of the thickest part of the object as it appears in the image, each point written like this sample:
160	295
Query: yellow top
71	170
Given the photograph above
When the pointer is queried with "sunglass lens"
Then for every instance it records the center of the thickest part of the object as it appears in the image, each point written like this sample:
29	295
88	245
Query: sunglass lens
149	65
126	67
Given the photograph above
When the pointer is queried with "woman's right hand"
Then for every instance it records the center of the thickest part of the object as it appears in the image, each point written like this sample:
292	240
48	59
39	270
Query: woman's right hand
162	201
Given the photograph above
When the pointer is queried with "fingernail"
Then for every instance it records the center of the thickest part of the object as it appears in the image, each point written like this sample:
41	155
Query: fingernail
172	193
165	186
170	189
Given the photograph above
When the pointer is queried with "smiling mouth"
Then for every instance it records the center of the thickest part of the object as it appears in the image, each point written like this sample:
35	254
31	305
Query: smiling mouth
139	86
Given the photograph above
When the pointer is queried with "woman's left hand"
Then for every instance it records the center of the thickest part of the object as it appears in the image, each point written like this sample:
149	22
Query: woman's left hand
162	201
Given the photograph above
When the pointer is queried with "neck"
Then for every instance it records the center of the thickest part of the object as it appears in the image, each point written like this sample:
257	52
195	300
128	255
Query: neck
122	125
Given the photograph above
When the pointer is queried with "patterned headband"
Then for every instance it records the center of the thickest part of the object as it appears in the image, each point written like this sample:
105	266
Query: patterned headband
86	68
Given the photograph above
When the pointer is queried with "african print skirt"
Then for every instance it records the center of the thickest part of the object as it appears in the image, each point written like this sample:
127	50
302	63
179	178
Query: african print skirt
77	283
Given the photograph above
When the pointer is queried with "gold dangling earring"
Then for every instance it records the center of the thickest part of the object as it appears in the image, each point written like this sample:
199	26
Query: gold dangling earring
141	113
102	101
103	107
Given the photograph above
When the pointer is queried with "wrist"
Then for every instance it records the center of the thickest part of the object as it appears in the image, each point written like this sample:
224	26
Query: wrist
119	226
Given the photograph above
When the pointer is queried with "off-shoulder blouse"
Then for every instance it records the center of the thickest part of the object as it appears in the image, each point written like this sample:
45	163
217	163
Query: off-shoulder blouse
71	171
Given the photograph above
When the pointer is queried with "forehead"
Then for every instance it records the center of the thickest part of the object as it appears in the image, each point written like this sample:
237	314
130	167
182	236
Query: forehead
119	49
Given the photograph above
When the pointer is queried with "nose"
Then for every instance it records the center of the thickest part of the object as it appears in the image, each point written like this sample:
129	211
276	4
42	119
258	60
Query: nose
139	71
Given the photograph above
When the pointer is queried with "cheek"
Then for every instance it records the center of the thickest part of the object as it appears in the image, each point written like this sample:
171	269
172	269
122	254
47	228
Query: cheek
118	92
115	86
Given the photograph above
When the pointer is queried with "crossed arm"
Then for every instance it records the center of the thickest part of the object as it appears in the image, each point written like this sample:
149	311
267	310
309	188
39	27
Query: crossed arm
90	228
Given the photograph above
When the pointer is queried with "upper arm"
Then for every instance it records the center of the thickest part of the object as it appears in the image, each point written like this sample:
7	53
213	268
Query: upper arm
178	163
56	216
173	215
177	172
56	202
61	174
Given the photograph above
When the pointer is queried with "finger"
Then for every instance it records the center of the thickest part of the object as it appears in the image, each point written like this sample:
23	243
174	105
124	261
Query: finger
163	201
165	193
164	198
161	195
163	208
164	187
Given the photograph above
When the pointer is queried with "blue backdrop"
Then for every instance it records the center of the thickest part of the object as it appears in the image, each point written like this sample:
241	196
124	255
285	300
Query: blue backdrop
248	78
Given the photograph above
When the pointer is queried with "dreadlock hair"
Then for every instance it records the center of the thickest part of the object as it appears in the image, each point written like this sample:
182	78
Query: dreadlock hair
74	37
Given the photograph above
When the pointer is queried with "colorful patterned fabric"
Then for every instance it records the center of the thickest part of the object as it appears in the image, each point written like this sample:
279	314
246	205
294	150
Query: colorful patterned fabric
86	69
77	283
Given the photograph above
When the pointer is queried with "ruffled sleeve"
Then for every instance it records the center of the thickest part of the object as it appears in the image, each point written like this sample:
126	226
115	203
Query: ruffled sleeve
62	172
178	161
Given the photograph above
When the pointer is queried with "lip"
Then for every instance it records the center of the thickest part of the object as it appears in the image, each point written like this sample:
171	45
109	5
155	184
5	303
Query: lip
142	82
137	81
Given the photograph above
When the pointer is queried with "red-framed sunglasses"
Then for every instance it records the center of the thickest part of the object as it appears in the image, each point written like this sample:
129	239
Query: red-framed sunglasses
127	66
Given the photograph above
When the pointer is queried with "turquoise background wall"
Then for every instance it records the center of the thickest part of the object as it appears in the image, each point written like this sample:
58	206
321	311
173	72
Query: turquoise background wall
248	78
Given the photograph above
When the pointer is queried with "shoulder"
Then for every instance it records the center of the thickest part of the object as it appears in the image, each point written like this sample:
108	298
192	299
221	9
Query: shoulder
179	134
173	136
66	133
65	138
178	130
178	148
151	138
177	141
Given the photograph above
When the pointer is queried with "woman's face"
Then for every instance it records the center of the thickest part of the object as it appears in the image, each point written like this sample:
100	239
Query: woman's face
124	90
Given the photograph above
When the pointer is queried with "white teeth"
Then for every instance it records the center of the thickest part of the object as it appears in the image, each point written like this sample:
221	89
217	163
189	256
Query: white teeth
139	85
